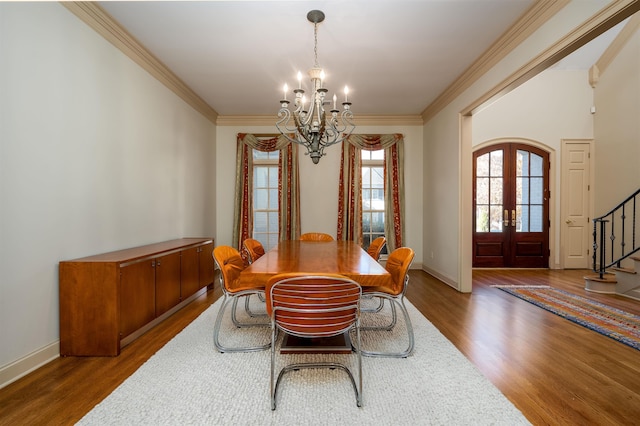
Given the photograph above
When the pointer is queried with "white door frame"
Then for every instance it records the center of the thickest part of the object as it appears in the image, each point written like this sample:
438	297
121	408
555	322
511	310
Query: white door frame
564	206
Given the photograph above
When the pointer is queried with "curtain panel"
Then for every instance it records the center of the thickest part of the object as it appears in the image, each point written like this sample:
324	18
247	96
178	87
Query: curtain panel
350	187
288	186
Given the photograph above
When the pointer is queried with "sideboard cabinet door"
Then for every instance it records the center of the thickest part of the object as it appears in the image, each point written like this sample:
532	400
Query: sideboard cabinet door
137	295
206	264
167	282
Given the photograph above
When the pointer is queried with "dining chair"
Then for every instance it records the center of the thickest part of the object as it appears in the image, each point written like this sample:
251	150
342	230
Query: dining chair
397	265
316	236
374	250
230	263
254	250
376	246
314	306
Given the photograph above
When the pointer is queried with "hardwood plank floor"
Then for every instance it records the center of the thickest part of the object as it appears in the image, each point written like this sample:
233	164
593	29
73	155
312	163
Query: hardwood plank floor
554	371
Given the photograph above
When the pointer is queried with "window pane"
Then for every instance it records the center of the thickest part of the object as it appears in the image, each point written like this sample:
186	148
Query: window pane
496	218
377	154
366	177
522	218
377	199
482	218
536	190
377	177
260	198
496	191
377	222
482	190
366	199
273	222
482	165
536	219
522	190
366	222
260	222
496	163
273	177
522	163
273	199
260	176
536	165
259	155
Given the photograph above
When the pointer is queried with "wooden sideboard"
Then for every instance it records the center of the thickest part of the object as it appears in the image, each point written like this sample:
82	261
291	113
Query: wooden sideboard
108	300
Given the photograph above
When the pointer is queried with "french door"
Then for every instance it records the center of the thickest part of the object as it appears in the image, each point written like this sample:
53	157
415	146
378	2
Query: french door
511	207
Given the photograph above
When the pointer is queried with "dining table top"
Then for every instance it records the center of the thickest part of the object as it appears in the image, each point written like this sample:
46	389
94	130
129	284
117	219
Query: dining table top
317	257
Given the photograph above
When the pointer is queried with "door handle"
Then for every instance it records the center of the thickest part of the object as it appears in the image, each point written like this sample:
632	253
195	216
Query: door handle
506	217
568	221
513	218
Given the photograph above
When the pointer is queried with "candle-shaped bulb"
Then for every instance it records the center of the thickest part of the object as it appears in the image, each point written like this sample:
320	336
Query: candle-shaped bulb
335	98
299	80
346	94
321	77
285	89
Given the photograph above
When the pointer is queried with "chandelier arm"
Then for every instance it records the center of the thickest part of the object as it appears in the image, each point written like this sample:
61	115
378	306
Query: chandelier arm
314	129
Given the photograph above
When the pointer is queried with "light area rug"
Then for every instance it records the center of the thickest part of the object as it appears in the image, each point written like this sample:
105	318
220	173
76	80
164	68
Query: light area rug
188	382
609	321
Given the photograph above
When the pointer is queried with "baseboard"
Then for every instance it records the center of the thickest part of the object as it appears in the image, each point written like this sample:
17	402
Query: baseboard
447	280
25	365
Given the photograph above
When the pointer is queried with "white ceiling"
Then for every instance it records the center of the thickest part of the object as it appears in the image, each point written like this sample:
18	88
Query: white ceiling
396	56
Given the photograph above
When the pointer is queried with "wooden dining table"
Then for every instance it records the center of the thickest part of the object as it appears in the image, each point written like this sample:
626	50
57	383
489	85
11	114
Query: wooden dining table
317	257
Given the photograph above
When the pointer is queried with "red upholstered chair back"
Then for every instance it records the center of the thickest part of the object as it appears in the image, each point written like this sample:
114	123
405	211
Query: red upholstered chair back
376	247
398	264
313	305
254	249
316	236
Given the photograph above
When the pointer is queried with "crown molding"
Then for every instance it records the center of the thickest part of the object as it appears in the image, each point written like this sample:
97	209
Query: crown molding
360	120
530	22
613	50
614	13
104	24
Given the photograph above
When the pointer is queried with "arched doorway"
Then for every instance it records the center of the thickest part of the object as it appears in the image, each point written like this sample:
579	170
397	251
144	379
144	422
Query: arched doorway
511	206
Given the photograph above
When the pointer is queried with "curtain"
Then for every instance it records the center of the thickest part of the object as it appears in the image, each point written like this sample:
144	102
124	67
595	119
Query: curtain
350	188
288	186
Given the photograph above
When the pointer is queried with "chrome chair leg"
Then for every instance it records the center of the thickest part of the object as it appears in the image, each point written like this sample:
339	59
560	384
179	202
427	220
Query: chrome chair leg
377	308
234	314
216	328
248	310
401	354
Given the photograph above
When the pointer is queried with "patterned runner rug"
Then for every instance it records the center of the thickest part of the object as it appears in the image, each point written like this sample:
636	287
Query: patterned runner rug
611	322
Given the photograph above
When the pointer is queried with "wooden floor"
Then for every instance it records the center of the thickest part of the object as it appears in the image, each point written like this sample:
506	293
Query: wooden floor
554	371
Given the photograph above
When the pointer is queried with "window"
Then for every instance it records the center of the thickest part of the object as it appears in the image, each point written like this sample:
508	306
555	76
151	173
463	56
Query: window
372	196
265	198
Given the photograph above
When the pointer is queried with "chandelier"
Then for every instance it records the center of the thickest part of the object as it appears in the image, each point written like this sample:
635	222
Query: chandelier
311	126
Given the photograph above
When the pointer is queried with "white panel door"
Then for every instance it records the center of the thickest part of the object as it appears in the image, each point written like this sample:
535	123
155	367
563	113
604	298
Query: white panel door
576	226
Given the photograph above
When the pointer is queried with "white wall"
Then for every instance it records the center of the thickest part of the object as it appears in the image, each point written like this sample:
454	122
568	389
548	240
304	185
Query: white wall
617	128
552	106
447	214
319	183
95	155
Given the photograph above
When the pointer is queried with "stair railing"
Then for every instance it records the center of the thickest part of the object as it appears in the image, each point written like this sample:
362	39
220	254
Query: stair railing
620	227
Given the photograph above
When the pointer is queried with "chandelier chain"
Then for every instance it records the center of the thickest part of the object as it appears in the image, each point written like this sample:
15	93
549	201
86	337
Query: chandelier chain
315	43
